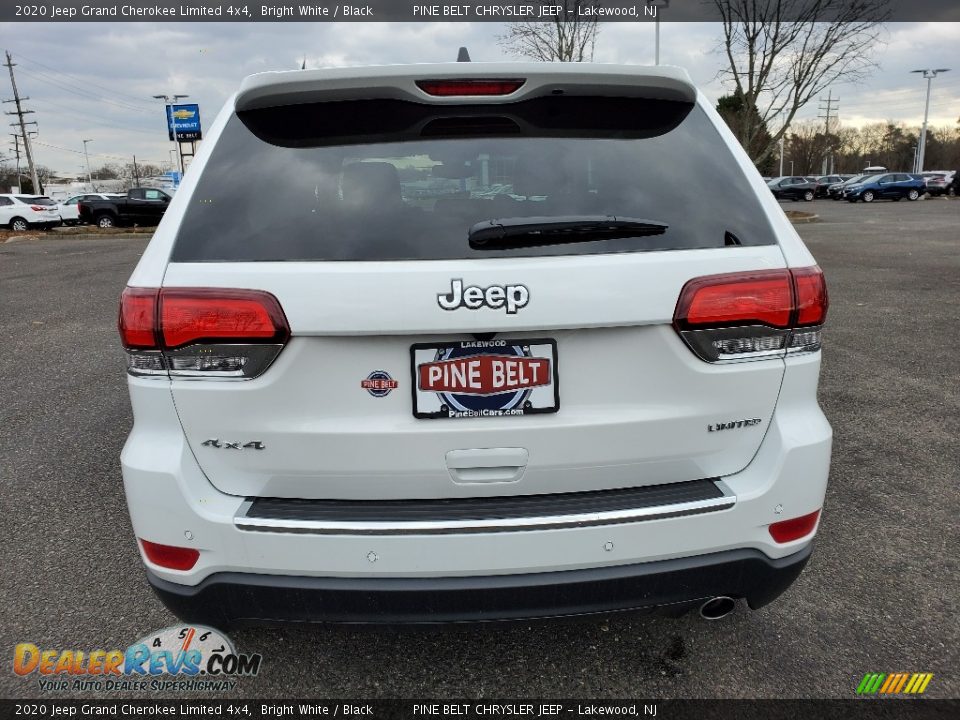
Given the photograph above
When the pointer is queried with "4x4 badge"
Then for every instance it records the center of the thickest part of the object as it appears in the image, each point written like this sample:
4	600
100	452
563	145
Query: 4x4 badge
238	445
474	297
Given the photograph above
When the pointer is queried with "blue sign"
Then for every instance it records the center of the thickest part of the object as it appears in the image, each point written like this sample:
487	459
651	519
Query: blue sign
187	119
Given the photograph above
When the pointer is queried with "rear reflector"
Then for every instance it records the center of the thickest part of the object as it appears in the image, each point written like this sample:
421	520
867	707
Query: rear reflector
169	556
788	530
465	88
752	315
201	332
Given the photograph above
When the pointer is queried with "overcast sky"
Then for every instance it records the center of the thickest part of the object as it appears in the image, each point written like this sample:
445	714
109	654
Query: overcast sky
95	81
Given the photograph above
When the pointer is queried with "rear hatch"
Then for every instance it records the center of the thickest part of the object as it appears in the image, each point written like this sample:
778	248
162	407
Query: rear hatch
434	353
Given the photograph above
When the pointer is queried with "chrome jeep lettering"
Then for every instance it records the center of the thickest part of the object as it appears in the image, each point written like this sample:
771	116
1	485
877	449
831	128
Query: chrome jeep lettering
474	297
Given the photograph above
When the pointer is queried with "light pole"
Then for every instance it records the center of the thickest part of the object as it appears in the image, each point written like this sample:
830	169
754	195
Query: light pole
658	5
781	157
921	151
87	158
169	101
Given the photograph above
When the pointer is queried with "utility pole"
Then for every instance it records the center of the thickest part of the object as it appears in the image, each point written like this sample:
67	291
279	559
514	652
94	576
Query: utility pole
831	113
16	148
781	157
87	158
136	173
20	112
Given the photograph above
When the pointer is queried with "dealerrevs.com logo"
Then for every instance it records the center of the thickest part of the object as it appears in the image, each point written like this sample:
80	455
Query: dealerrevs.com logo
181	657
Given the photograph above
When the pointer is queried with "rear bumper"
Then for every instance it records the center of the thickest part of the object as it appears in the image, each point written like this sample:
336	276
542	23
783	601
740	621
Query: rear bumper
228	599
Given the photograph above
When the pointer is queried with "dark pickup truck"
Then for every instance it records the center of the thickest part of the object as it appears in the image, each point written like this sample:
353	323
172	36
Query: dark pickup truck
140	206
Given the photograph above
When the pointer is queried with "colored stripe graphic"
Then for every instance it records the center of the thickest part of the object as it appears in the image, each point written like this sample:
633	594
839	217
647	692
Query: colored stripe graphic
894	683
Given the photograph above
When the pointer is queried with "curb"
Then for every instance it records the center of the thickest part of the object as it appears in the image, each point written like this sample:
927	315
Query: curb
26	238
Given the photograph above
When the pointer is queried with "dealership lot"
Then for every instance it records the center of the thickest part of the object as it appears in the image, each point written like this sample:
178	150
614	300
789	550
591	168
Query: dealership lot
878	596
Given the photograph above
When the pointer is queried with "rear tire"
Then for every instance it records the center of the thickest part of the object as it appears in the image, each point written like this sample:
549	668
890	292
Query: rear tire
912	195
106	221
867	197
808	195
19	224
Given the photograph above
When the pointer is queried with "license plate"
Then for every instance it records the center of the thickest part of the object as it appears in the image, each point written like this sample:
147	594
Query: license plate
484	378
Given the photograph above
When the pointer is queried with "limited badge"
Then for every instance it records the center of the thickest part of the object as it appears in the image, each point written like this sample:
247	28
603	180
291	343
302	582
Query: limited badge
379	383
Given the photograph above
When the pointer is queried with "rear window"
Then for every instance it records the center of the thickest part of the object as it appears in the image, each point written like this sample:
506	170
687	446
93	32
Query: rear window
396	180
35	200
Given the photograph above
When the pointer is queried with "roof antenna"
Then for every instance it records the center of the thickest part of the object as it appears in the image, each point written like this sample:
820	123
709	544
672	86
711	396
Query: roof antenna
463	55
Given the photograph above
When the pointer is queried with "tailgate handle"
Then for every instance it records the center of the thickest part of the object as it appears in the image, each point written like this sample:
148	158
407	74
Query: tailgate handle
487	465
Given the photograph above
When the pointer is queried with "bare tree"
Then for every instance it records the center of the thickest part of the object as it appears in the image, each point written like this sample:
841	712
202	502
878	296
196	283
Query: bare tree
567	36
781	54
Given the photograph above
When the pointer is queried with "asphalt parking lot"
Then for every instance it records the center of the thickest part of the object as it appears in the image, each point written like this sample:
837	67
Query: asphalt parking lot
879	595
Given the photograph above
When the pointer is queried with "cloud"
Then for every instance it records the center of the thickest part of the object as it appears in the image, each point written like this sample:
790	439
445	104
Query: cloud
96	80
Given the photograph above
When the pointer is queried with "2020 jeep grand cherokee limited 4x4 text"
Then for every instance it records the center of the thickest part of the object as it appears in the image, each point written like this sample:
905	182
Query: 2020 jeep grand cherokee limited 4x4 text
475	359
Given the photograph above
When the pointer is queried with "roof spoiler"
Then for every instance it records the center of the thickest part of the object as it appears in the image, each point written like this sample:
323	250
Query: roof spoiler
399	82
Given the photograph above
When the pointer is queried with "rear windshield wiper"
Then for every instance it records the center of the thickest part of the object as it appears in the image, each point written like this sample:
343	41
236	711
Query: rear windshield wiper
507	233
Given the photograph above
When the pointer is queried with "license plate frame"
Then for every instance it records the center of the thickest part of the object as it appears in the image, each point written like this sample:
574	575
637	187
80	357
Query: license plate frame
535	399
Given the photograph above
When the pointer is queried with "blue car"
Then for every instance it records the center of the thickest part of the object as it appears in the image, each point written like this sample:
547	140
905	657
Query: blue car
889	186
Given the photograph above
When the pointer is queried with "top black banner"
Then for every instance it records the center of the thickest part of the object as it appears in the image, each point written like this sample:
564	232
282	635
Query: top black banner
494	11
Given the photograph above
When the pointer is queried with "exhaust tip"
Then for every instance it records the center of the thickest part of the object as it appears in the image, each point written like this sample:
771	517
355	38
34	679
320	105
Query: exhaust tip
717	608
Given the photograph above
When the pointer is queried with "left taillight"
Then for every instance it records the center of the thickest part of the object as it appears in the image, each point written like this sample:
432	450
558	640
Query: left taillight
753	315
201	332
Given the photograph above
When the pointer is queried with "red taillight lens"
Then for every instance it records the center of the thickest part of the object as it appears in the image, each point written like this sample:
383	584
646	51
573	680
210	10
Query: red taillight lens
811	296
38	208
452	88
170	556
787	530
138	318
760	298
191	315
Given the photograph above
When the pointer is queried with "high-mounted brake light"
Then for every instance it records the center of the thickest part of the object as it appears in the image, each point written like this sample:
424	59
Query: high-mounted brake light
752	315
795	528
470	87
170	556
201	332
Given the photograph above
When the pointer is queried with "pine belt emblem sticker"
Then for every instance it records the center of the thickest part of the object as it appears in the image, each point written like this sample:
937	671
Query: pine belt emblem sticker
379	383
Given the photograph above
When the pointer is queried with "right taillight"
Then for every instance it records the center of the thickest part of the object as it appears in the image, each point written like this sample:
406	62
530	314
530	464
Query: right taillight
201	332
752	315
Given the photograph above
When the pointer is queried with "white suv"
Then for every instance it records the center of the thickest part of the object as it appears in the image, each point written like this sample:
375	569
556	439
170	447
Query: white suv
465	352
22	212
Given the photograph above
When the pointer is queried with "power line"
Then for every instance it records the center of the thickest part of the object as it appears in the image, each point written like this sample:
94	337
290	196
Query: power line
93	121
66	88
112	91
103	155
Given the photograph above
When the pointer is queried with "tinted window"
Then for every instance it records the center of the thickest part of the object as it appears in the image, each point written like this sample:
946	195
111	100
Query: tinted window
5	201
26	199
393	180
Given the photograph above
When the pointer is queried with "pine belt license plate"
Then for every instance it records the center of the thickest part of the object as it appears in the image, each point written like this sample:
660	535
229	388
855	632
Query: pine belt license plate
484	378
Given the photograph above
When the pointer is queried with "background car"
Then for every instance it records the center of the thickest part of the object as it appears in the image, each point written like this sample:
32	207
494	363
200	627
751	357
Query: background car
891	186
939	182
70	213
22	212
825	181
835	191
793	188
